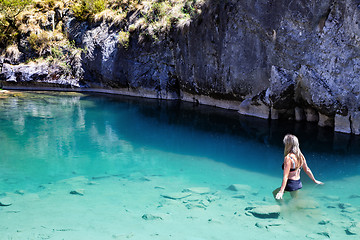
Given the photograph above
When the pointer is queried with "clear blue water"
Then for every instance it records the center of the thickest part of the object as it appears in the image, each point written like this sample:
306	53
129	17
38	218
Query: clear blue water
49	138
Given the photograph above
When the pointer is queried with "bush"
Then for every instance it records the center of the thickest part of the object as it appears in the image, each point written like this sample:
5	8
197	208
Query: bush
39	42
85	10
124	38
9	10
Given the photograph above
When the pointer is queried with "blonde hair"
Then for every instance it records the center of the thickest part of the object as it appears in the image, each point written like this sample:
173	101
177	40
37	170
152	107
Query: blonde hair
291	143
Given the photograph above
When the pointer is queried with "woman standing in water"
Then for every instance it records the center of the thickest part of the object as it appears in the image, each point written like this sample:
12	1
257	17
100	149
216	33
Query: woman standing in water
293	162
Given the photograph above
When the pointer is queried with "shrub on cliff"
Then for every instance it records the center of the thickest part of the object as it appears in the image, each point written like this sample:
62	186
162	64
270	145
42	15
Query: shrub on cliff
85	10
9	10
124	38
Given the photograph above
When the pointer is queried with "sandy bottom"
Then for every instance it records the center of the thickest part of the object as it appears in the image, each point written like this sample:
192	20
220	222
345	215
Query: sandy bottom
191	204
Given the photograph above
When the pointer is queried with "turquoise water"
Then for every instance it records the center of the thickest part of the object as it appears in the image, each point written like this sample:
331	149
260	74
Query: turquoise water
126	156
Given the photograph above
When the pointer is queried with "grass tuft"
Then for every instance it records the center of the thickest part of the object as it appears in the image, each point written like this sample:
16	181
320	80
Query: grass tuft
124	39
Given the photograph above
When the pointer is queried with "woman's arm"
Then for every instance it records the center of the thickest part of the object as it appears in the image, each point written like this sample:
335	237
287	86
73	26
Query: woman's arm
287	163
307	170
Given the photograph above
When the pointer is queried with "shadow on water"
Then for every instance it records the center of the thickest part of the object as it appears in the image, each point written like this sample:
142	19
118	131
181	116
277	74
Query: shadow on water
269	132
330	153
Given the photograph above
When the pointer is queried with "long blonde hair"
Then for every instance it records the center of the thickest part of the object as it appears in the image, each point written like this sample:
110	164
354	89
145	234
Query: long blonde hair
291	143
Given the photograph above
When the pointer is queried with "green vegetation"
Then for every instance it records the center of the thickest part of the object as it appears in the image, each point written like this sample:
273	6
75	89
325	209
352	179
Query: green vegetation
34	21
85	10
152	19
124	39
9	10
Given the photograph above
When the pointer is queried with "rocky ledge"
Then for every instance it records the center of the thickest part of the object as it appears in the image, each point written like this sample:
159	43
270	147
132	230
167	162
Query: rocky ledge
285	60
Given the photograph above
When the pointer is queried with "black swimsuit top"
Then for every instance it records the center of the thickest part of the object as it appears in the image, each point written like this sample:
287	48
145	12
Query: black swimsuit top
291	169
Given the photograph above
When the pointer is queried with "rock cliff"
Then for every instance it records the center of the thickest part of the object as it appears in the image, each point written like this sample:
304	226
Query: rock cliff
271	59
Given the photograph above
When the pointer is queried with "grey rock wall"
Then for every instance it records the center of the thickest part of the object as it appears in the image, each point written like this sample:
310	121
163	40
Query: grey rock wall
272	59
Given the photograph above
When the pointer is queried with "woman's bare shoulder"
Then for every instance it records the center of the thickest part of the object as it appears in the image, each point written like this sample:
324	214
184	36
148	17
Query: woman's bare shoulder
287	158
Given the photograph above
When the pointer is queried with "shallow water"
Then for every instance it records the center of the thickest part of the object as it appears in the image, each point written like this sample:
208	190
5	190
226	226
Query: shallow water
126	156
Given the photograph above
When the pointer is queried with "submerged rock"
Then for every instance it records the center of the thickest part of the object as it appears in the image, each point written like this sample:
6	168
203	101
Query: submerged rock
239	187
100	177
260	225
198	190
350	210
324	222
77	192
195	205
144	179
240	196
326	234
272	211
20	192
92	183
212	198
4	202
344	205
354	196
176	196
151	217
353	230
211	220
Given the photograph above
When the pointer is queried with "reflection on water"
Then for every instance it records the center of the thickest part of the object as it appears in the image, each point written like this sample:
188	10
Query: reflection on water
70	130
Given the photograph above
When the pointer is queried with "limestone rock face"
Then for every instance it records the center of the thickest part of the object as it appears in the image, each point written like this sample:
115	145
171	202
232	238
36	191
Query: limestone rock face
295	60
36	74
